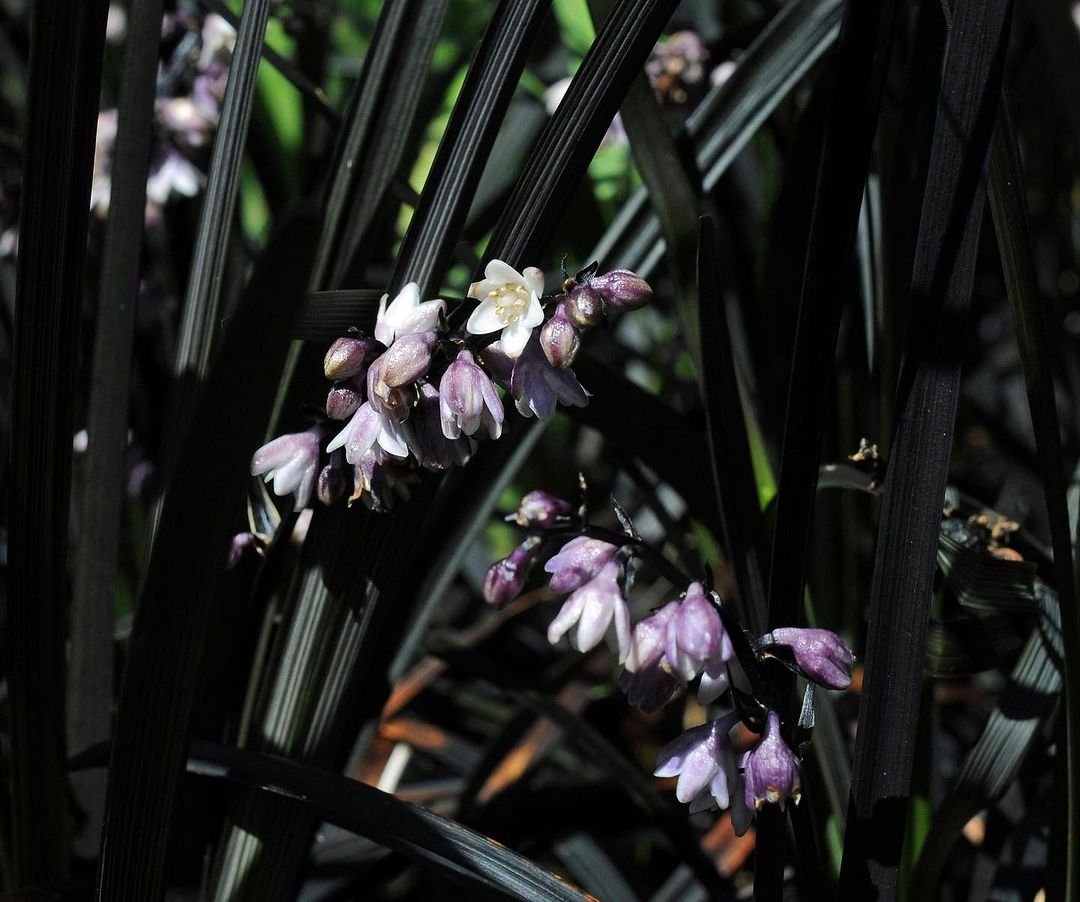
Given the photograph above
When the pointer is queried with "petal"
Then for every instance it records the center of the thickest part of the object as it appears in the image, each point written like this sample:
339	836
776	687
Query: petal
484	319
515	337
501	273
384	331
534	280
698	770
534	316
568	615
479	290
594	621
622	629
391	440
714	683
273	454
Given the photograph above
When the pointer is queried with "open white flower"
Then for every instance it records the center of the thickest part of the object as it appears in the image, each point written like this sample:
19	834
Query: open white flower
510	302
406	315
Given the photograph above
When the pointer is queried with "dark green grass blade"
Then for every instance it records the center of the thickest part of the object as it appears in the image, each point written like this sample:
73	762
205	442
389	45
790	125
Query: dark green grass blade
62	104
473	861
858	72
390	135
942	280
200	324
387	45
729	116
732	468
90	678
464	149
1039	359
564	149
327	315
175	612
994	760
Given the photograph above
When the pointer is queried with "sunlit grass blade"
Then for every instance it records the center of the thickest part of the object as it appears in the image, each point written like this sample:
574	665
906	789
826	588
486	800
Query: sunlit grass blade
90	677
62	102
176	607
942	280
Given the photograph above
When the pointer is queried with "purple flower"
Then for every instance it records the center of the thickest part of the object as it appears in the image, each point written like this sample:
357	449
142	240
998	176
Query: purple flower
540	510
291	461
405	361
770	768
538	387
696	642
423	429
348	357
821	655
560	339
333	480
506	578
469	400
367	429
579	561
702	760
592	609
650	639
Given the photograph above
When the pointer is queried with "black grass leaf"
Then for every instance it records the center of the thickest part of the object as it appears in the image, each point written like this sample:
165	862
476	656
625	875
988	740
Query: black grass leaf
175	615
941	286
327	315
62	103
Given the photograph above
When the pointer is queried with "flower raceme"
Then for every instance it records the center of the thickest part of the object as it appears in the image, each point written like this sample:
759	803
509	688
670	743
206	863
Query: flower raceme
416	395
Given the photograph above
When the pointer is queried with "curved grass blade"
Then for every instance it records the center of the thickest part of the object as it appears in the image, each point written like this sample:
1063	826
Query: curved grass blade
90	677
993	762
467	858
175	610
62	103
466	144
941	286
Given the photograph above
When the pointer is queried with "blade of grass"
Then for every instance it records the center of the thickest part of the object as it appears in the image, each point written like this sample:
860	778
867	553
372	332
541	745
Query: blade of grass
62	102
90	675
942	280
175	610
471	860
327	315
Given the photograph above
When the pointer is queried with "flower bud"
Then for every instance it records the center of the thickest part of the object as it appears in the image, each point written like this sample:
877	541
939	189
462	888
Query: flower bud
578	562
406	360
821	655
332	479
560	339
622	290
539	510
505	579
343	400
348	356
584	307
695	635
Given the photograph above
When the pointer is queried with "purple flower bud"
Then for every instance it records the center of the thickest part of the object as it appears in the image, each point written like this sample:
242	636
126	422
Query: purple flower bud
506	578
771	768
593	609
622	290
702	760
695	635
469	400
241	543
291	461
539	510
820	654
579	561
424	432
537	386
584	306
333	480
347	357
405	361
560	339
649	641
343	400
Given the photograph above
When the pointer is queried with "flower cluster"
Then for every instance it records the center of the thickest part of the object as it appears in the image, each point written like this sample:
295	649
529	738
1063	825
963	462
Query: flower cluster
691	638
416	394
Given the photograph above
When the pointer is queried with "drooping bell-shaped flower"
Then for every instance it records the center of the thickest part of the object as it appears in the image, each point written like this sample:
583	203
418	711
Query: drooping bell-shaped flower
468	400
424	433
509	303
649	641
538	387
540	510
405	315
577	562
292	462
367	429
591	610
702	760
770	768
820	654
697	643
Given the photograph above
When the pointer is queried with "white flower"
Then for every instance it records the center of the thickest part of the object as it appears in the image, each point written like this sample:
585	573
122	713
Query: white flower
406	315
292	461
509	301
368	429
